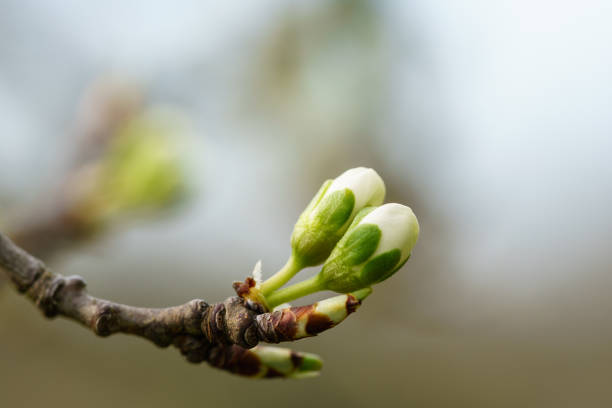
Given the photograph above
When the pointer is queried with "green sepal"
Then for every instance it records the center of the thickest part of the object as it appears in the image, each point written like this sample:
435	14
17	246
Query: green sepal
359	244
340	273
335	209
315	235
380	267
339	277
317	198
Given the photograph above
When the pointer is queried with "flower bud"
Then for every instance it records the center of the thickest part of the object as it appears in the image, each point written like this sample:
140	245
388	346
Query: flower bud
331	211
143	167
376	245
140	171
280	362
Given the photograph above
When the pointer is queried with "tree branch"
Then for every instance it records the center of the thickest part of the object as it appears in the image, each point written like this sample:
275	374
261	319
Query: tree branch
220	334
56	295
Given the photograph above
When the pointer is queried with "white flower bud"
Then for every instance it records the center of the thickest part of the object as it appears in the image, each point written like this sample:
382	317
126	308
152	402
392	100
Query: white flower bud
399	226
377	244
366	185
330	213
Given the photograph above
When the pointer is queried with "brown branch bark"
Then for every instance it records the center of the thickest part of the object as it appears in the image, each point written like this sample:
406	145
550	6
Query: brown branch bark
220	334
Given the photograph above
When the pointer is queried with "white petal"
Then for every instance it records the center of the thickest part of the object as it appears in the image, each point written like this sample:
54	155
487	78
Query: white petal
399	227
365	183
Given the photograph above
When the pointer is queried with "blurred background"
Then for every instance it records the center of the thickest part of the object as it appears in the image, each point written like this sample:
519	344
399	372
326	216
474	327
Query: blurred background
490	119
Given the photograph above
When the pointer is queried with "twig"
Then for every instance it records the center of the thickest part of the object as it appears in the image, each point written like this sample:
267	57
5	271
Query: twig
220	334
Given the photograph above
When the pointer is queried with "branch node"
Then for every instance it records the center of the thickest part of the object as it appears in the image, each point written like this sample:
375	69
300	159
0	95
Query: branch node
213	324
193	321
231	322
47	300
75	283
104	320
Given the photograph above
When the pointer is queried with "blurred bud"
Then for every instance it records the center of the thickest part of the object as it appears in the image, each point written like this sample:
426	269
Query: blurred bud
376	245
140	171
280	362
331	211
143	167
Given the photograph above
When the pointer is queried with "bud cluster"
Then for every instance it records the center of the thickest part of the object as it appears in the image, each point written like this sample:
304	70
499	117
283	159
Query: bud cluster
359	241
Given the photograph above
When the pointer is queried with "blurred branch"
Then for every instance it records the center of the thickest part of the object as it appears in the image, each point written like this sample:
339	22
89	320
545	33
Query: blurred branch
126	161
48	233
54	223
220	334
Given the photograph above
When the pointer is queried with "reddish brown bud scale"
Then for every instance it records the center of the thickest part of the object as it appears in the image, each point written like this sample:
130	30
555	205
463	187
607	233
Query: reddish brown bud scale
305	321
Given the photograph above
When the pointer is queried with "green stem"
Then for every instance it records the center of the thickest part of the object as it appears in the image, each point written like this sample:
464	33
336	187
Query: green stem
294	291
281	277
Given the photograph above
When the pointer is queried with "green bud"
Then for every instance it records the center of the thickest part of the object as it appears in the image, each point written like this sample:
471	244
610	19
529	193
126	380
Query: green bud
331	211
140	171
304	320
142	168
281	362
376	245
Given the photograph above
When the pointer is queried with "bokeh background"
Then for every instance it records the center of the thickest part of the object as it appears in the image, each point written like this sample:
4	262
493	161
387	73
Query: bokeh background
492	120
